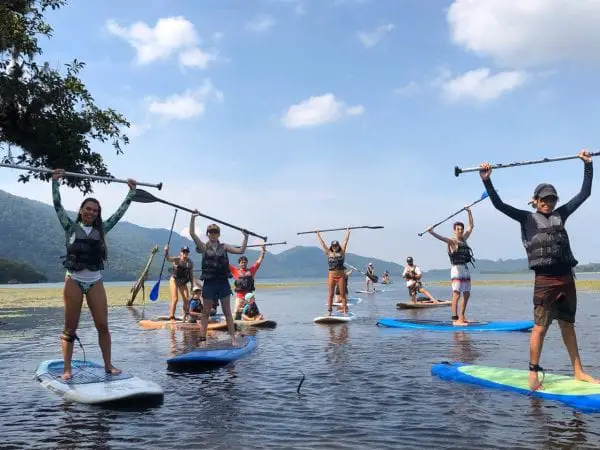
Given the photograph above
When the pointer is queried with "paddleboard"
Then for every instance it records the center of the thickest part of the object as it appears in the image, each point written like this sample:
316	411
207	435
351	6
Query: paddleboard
179	325
215	318
336	317
565	389
370	292
350	301
421	305
256	323
91	385
441	325
218	353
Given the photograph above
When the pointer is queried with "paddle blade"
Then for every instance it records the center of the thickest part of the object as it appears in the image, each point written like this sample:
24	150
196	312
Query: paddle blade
142	196
484	195
154	291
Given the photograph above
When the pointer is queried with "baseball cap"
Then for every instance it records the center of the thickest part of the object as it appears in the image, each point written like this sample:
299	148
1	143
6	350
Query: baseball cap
409	259
249	295
545	190
185	249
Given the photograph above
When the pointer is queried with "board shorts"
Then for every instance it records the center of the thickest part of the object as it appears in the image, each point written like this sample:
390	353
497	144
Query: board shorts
414	288
461	278
216	289
554	297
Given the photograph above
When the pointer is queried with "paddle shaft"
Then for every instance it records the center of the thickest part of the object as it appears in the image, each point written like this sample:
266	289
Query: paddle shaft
342	229
450	217
458	170
162	267
80	175
266	245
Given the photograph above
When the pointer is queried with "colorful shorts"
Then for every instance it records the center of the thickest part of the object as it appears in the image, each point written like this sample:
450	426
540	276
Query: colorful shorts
461	278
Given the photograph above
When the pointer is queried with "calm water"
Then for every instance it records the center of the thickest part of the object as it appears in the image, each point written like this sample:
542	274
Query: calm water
365	387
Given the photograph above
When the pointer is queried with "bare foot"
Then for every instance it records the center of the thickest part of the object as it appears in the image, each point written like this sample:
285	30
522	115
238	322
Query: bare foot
582	376
534	381
67	375
460	323
113	371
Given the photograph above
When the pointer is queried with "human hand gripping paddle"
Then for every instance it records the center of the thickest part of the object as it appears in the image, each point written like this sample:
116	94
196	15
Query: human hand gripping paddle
483	197
142	196
458	170
342	229
156	287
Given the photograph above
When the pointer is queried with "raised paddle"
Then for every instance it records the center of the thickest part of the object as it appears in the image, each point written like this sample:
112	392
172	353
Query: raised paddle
483	197
342	229
266	245
80	175
458	170
142	196
156	287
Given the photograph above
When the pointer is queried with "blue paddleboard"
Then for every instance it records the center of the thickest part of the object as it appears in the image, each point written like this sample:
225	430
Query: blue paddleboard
218	354
565	389
441	325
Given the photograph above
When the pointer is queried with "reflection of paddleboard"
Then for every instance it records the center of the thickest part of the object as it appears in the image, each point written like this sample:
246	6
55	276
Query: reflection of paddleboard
441	325
90	384
578	394
350	301
256	323
217	353
421	304
336	317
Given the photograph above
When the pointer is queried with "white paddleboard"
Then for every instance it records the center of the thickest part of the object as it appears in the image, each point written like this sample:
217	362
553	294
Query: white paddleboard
90	384
351	301
335	317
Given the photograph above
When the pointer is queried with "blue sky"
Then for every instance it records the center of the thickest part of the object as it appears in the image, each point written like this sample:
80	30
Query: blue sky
287	115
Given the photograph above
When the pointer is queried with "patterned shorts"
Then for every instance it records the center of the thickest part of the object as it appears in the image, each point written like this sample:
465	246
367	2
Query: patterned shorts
461	278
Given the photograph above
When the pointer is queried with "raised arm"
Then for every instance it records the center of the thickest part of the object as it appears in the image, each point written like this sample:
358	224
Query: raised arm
441	238
346	238
586	187
263	251
112	220
519	215
200	246
323	245
471	224
63	217
169	258
238	250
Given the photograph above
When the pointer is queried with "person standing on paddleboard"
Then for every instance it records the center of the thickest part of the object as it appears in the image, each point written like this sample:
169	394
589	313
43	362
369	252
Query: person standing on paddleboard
412	274
84	261
336	256
215	273
460	255
370	277
244	280
550	256
182	274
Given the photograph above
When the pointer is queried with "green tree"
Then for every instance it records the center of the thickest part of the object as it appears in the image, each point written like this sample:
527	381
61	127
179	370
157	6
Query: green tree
49	116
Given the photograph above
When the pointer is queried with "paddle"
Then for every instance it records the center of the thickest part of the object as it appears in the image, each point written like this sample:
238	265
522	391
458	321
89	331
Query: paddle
483	197
155	289
342	229
266	245
80	175
458	170
142	196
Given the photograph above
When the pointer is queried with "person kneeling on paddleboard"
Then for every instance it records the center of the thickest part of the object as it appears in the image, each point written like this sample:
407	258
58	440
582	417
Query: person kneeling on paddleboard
336	256
412	274
244	279
251	311
550	256
84	261
215	273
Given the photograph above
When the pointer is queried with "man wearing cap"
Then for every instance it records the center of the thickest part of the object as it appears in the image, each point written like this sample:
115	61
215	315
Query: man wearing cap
244	279
550	256
182	273
412	274
250	311
370	277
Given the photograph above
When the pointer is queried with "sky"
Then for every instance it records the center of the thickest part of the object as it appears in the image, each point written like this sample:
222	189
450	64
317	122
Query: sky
282	116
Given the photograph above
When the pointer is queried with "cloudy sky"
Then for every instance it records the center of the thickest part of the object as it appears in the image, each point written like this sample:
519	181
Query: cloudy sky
289	115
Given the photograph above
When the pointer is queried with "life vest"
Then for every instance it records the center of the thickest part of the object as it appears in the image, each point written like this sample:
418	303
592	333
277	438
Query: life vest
336	261
245	282
546	241
215	263
252	310
462	255
198	307
181	270
86	251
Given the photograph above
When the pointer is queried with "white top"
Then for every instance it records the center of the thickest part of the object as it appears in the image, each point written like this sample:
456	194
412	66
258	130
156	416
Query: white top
85	275
416	269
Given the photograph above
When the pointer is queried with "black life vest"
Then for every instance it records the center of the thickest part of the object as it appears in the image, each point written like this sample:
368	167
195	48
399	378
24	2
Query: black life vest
336	261
244	283
182	270
86	251
215	263
546	241
252	310
462	255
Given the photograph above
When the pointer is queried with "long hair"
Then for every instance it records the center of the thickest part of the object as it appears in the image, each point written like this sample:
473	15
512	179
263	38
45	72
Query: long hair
97	224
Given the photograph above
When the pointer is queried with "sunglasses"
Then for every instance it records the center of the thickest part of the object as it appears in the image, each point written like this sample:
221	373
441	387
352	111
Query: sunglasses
213	232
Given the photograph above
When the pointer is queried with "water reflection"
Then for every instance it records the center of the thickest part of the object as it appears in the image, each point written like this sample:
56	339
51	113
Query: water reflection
463	349
337	345
568	431
76	429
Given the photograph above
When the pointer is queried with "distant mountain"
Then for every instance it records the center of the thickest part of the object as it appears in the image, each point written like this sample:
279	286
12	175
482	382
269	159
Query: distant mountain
30	233
15	272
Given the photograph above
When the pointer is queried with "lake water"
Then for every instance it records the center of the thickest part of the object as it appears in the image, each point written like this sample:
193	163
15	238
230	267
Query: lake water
365	386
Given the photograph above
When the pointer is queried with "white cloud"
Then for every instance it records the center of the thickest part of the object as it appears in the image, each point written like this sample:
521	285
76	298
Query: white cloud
192	103
170	35
527	33
408	89
480	85
372	38
318	110
136	130
260	23
217	36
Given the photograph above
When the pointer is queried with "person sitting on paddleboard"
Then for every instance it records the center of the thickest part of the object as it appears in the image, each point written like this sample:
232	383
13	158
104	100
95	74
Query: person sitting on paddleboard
412	274
370	277
86	253
550	256
337	288
215	273
195	310
460	255
182	274
336	256
244	279
251	311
